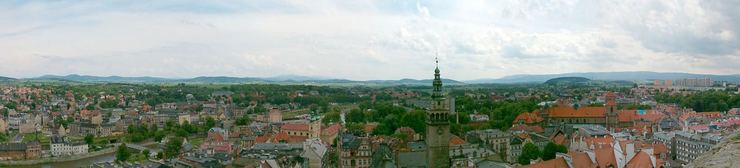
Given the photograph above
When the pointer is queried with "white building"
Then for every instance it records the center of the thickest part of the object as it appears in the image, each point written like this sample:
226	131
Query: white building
60	146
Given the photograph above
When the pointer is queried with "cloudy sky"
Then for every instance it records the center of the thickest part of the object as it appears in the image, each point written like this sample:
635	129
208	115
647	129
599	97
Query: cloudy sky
384	39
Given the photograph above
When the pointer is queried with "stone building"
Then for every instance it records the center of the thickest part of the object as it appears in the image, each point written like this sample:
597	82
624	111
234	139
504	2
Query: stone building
438	126
354	151
19	151
61	146
690	145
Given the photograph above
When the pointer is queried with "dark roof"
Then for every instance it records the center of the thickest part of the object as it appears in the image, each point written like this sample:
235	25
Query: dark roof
13	147
350	141
383	157
412	159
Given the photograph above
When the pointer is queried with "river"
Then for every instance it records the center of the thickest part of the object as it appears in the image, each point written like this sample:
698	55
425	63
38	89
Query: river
75	163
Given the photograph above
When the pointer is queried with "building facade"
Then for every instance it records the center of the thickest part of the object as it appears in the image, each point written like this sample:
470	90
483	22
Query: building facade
438	127
355	151
689	146
60	146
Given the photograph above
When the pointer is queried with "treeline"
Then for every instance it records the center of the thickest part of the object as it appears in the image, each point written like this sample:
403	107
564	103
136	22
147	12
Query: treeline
501	114
142	132
388	116
702	101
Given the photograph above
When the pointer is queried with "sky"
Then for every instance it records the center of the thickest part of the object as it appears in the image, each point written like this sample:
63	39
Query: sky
362	40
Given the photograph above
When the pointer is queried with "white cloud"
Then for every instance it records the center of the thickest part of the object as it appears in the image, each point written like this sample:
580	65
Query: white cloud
367	39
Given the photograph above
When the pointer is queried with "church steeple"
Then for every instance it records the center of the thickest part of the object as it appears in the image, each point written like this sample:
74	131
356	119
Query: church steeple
437	83
437	135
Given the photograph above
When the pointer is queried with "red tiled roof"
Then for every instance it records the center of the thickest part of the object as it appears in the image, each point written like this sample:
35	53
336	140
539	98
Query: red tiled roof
528	118
659	148
295	127
596	141
610	98
581	160
640	160
558	138
605	157
554	163
331	130
282	136
455	140
627	115
582	112
263	138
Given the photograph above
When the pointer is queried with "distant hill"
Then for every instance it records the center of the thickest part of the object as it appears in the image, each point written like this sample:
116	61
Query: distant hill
284	79
2	78
567	80
610	76
86	78
218	79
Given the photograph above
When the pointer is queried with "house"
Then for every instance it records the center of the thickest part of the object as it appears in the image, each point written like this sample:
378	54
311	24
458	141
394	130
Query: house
61	146
295	129
85	128
314	151
354	151
330	133
517	142
216	142
494	139
275	116
19	151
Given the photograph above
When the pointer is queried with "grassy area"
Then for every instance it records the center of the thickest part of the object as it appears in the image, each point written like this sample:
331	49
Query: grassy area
196	141
294	113
32	137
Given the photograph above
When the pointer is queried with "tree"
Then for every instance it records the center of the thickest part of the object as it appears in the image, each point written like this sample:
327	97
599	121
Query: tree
146	153
210	122
172	149
122	154
244	120
331	117
355	115
89	139
414	119
551	149
529	152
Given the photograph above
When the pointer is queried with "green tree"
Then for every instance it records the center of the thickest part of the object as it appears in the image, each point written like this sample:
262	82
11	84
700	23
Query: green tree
551	149
355	115
146	153
122	154
331	117
415	120
11	105
244	120
529	152
172	149
89	139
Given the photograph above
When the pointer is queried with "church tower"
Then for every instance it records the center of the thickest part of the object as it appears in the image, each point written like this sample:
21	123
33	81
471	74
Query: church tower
438	127
611	111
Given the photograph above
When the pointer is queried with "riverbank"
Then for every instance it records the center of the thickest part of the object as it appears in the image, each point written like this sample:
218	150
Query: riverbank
57	159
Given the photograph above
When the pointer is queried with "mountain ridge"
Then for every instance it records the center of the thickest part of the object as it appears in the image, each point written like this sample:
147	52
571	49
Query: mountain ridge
282	79
617	75
297	79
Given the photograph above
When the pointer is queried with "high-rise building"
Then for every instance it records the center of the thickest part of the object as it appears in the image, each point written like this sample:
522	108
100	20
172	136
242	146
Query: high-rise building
438	127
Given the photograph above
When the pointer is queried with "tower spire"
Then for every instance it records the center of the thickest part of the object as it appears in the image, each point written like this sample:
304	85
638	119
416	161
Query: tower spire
437	83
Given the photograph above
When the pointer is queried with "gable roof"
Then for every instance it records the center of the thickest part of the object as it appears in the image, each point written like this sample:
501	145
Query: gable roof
294	127
641	160
553	163
582	112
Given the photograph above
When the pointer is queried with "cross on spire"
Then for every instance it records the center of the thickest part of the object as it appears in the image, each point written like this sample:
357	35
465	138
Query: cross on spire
436	58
